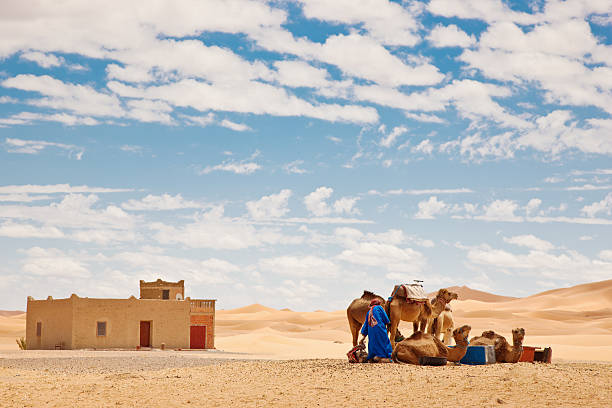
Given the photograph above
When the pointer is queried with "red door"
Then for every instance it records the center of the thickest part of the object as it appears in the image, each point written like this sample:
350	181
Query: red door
197	338
145	334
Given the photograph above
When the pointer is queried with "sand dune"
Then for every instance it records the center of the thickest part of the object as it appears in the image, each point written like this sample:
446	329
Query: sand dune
466	293
576	322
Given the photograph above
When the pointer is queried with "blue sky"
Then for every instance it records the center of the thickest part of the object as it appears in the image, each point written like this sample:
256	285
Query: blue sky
294	153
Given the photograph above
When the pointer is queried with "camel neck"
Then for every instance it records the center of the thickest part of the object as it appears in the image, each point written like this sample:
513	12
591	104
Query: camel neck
462	343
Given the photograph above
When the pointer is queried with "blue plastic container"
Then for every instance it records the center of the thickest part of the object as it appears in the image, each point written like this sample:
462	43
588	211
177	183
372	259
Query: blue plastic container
479	355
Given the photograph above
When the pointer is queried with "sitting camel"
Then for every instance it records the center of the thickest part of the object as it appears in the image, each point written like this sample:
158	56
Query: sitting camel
504	353
443	324
357	310
407	310
421	344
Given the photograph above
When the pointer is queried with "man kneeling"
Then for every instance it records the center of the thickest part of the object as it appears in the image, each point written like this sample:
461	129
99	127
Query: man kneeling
375	327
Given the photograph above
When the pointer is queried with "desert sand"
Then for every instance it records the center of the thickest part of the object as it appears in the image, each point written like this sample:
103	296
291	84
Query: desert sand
270	357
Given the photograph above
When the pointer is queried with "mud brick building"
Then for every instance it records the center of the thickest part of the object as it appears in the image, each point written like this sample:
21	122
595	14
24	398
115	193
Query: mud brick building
162	315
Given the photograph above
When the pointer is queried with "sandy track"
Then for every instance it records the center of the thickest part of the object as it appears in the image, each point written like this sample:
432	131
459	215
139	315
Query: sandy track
298	383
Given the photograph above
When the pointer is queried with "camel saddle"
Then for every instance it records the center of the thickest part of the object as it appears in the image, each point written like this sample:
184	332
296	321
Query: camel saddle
412	292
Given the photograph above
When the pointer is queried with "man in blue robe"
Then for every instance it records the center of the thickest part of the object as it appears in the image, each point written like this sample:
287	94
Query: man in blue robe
375	327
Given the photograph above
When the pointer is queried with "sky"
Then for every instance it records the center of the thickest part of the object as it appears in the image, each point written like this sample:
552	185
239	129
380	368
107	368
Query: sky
296	152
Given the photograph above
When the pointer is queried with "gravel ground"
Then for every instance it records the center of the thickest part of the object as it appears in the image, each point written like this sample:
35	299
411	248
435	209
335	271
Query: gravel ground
93	365
184	380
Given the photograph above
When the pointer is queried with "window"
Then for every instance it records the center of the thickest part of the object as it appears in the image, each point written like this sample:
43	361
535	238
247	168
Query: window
38	329
101	329
166	294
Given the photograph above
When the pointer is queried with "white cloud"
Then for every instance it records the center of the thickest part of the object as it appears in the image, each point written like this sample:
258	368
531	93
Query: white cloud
209	271
238	127
389	139
532	205
132	149
530	241
80	99
568	265
604	206
130	73
159	203
487	10
297	74
390	257
606	255
58	188
401	191
450	36
500	210
26	118
272	206
346	205
423	117
428	209
307	266
294	167
213	230
23	198
36	146
562	57
387	22
316	202
244	168
18	230
74	211
229	96
49	60
425	147
53	262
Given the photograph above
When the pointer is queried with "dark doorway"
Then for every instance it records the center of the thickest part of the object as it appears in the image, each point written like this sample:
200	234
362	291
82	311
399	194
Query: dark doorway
197	338
145	334
166	294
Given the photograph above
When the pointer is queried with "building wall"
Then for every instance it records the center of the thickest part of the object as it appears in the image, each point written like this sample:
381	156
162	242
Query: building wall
154	290
169	322
207	320
55	316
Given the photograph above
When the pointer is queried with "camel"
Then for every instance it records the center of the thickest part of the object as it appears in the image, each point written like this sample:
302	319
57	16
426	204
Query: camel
357	310
504	353
443	324
438	306
415	311
421	344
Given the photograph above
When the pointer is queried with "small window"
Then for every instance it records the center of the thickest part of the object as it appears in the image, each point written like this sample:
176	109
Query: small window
38	329
101	330
166	294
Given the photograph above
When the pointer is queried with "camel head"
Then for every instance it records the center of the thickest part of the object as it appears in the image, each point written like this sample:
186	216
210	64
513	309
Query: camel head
367	295
446	296
518	335
461	334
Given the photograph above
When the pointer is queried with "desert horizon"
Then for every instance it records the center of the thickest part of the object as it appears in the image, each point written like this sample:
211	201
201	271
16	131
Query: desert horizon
576	322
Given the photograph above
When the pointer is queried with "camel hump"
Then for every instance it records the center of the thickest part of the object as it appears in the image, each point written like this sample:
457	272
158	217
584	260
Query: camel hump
490	334
442	349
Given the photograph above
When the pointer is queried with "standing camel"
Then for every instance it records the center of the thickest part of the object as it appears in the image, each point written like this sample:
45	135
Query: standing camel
401	308
357	310
443	325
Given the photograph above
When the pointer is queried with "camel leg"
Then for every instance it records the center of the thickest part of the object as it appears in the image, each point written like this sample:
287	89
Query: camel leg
393	331
355	328
415	327
435	327
447	336
423	325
